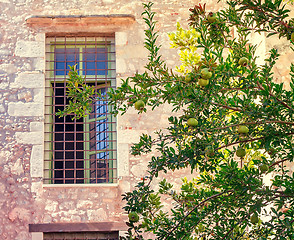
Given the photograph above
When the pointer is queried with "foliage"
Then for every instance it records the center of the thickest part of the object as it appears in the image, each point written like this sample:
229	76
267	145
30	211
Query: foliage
223	202
229	195
79	95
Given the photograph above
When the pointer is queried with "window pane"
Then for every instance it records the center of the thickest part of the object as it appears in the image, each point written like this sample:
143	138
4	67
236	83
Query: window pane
99	139
95	61
65	57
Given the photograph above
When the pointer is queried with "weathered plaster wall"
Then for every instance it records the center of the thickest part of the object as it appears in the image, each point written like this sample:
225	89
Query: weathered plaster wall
24	198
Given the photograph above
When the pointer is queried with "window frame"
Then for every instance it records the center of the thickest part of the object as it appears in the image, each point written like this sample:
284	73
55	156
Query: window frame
108	81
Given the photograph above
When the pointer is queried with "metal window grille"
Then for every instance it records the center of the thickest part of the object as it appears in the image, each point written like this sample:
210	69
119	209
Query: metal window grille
82	236
79	150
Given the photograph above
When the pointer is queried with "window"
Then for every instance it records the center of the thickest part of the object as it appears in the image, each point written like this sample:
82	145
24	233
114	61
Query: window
82	236
79	150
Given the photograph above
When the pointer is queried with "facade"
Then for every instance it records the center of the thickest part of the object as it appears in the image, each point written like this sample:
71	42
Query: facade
62	177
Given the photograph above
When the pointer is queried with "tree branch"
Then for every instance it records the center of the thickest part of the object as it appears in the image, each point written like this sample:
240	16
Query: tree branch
279	100
198	205
278	162
253	123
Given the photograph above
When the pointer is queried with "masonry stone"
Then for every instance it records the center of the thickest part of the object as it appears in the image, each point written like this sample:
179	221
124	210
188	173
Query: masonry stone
2	108
36	127
8	68
121	66
32	79
121	38
29	49
29	137
17	167
97	215
123	150
36	161
25	109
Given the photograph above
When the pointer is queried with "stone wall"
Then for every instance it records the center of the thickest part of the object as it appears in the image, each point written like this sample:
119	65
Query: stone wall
25	199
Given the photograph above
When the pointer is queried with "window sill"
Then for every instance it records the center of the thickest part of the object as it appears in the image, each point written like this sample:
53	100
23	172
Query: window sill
81	185
78	227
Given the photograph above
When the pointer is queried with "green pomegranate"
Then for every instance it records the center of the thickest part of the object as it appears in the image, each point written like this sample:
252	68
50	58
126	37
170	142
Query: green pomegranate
133	217
263	168
188	77
243	129
192	122
209	152
243	61
241	152
211	17
205	73
254	218
203	82
139	105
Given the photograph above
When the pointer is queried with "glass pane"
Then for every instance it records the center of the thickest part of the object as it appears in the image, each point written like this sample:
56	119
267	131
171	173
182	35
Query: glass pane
95	61
101	125
65	57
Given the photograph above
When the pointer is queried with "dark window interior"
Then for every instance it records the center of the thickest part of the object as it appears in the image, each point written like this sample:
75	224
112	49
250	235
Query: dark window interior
68	144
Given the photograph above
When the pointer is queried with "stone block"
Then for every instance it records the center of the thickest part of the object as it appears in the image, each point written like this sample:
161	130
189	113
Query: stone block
26	96
37	236
29	49
121	38
36	126
139	170
97	215
123	152
39	95
108	1
124	186
29	137
8	68
2	188
19	109
17	167
129	136
2	108
51	206
36	161
121	66
84	204
19	213
29	80
132	51
36	187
